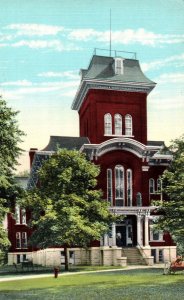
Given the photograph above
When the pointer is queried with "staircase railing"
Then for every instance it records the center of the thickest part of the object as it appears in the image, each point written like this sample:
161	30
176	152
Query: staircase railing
142	252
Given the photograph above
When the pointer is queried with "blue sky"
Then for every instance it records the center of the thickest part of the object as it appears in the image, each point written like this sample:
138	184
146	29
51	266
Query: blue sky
44	44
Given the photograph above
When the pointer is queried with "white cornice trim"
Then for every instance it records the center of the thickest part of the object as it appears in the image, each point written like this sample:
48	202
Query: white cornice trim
86	85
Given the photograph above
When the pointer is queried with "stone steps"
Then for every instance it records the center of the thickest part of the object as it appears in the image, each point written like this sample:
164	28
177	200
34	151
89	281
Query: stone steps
133	256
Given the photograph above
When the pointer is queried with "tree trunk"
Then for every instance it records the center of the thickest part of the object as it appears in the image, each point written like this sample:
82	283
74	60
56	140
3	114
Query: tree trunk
66	258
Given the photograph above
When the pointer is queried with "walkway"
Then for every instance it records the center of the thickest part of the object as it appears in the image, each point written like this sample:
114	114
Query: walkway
20	277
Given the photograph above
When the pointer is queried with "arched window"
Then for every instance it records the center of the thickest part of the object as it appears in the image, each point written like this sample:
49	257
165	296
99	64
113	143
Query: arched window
109	186
151	186
108	124
128	125
119	185
129	187
118	124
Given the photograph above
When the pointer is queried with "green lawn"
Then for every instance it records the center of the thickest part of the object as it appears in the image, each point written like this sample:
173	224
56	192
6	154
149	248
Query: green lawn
130	284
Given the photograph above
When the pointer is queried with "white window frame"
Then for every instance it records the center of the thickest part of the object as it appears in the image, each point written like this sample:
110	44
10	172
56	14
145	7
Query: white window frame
18	240
119	184
128	125
152	231
108	124
129	187
24	240
109	187
151	186
17	214
118	124
23	215
118	66
159	185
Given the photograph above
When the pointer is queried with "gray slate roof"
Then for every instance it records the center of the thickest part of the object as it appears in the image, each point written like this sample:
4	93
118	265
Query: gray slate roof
66	142
102	67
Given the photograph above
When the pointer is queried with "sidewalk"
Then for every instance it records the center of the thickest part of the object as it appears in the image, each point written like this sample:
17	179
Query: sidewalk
20	277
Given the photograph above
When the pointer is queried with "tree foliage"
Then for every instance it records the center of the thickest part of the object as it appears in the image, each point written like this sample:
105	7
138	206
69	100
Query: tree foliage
10	137
172	208
66	207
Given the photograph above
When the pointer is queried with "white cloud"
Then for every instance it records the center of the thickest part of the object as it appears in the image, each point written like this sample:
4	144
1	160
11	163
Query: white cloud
171	78
34	29
65	74
157	64
56	45
17	83
128	36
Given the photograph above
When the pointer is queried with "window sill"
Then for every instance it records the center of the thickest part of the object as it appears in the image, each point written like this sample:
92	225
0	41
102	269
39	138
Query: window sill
119	135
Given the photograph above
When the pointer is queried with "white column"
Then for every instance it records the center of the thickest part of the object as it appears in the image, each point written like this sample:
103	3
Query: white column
139	240
113	234
105	239
146	229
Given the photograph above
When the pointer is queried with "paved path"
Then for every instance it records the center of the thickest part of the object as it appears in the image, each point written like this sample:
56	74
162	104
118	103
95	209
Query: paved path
20	277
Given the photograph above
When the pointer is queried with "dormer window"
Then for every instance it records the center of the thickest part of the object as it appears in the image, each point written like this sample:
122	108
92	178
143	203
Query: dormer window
118	66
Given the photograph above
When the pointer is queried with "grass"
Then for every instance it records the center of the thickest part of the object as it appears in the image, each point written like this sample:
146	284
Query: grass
129	285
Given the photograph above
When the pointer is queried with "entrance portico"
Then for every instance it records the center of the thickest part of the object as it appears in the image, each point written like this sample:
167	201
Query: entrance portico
133	230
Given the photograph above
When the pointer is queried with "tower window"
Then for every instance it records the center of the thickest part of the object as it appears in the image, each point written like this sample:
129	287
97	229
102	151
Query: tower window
128	125
108	124
118	124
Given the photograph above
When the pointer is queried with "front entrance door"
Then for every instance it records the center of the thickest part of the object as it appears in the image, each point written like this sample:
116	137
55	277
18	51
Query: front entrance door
124	235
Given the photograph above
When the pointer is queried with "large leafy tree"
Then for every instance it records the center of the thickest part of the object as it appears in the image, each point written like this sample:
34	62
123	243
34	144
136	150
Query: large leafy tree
10	137
66	208
172	208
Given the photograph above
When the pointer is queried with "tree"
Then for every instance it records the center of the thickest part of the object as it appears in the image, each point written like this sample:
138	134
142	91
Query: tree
10	137
172	208
66	208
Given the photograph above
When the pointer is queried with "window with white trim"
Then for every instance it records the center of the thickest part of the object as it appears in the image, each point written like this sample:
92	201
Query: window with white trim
118	66
118	124
159	185
109	186
155	234
17	214
129	187
119	185
151	186
128	125
108	124
23	215
18	240
24	240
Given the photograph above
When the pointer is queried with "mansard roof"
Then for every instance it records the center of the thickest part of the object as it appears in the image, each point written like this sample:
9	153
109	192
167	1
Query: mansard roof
101	75
67	142
102	67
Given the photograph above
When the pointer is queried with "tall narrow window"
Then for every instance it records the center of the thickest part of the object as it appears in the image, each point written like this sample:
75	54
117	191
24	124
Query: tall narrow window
151	186
128	125
159	185
129	187
18	240
23	213
108	124
24	239
17	214
119	185
119	66
118	124
109	186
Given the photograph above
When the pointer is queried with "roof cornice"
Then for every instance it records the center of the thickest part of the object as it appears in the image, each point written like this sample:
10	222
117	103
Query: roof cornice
106	84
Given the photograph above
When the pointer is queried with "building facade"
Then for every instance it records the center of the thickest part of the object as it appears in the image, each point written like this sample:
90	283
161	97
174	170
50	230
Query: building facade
112	105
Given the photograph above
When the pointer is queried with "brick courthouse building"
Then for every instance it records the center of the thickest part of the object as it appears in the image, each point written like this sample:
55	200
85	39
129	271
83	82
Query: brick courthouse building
112	105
